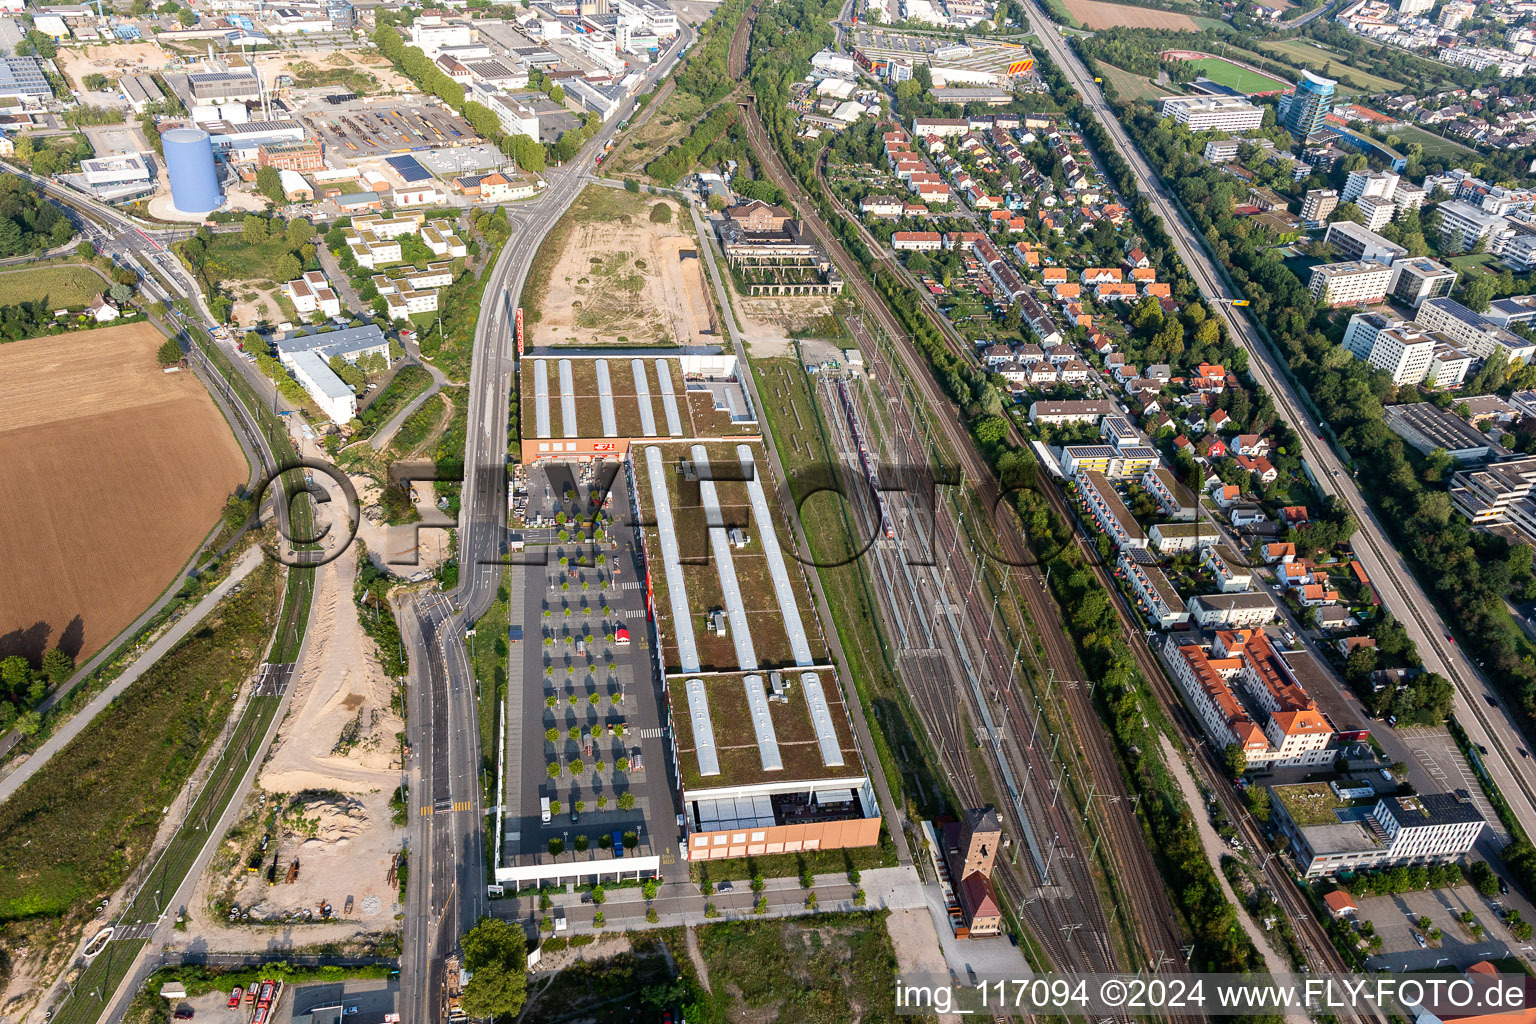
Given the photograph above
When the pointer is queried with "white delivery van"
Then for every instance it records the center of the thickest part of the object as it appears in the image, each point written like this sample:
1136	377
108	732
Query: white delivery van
544	809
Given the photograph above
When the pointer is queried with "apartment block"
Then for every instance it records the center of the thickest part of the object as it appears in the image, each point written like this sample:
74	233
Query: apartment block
1224	113
1464	226
1110	512
1404	354
1113	462
1378	213
1232	611
1353	283
1174	499
1472	331
1071	411
1159	601
1319	204
1355	242
1369	185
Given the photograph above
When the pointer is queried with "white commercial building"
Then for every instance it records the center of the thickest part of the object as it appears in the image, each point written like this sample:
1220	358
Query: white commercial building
307	355
1418	279
129	169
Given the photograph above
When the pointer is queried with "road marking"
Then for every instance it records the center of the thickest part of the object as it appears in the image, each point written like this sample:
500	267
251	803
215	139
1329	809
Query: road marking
461	805
426	811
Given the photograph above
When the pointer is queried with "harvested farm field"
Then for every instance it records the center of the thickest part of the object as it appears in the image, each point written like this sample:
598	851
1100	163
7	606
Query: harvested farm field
111	474
1097	14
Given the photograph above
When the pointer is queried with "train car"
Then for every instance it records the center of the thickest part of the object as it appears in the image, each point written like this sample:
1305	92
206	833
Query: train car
865	462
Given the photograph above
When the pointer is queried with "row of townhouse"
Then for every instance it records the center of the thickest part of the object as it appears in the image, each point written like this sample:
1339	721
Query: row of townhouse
913	170
1010	286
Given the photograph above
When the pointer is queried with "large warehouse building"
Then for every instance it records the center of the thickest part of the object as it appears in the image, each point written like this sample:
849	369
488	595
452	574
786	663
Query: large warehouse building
761	737
585	404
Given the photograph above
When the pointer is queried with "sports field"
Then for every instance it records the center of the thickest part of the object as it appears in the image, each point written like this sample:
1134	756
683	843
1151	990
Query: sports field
111	473
1234	76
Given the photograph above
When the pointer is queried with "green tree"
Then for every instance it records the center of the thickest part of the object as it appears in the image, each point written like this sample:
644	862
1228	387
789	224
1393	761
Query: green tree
169	353
120	292
1236	759
57	666
254	229
269	182
496	955
1479	294
661	213
287	267
299	232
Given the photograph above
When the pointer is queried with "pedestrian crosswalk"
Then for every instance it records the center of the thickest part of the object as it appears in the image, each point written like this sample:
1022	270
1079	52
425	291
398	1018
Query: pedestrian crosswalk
458	805
651	734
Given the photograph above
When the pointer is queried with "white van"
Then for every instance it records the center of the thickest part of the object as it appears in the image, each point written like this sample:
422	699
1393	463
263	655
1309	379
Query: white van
544	809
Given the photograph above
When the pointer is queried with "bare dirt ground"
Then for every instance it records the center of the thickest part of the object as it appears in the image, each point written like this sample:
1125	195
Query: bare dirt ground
766	323
402	550
114	61
263	308
297	62
916	945
327	786
618	283
111	474
1098	14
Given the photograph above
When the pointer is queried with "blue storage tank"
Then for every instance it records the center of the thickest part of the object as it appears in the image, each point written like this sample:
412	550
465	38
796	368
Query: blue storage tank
189	162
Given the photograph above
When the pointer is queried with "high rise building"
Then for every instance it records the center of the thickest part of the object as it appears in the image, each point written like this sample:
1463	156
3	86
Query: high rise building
1415	6
1305	111
1318	204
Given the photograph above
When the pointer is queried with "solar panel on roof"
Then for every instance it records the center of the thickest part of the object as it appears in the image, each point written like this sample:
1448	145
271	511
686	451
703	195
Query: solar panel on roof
409	168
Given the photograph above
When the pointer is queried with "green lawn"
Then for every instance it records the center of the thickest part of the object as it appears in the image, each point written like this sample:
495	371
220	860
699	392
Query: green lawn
1303	53
61	286
232	258
1224	72
1135	87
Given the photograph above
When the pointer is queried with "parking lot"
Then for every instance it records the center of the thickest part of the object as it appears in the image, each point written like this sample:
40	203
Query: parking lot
1395	920
357	129
599	682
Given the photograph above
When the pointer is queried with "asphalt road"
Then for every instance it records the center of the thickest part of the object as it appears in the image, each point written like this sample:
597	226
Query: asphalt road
1399	591
446	892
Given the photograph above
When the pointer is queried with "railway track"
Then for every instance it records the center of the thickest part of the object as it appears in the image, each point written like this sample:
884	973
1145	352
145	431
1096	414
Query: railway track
1128	846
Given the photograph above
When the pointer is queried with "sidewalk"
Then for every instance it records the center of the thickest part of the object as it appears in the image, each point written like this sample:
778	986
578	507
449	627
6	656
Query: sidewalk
82	718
